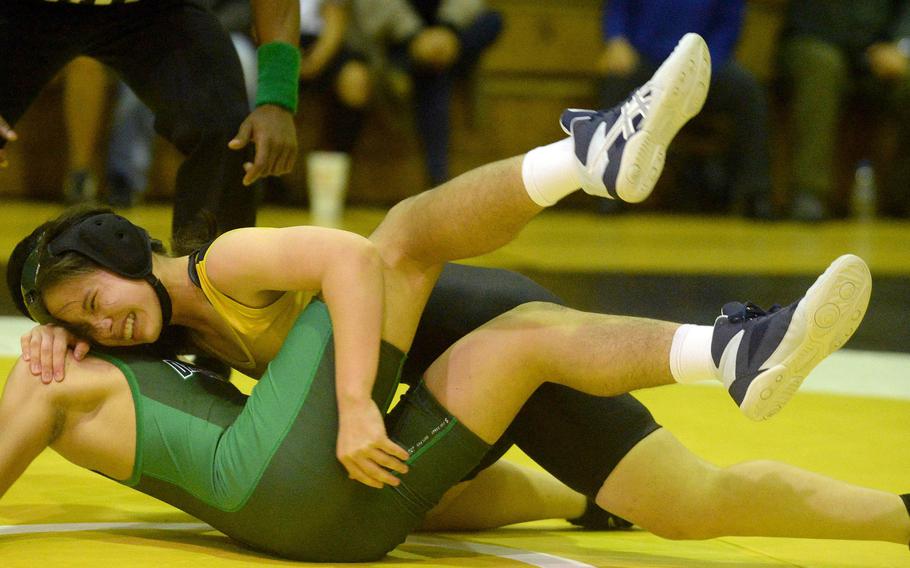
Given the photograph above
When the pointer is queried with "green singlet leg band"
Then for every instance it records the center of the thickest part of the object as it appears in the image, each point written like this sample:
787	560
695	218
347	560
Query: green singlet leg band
279	69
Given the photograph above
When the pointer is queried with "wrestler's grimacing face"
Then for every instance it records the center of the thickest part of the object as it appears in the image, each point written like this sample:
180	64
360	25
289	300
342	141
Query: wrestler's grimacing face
106	308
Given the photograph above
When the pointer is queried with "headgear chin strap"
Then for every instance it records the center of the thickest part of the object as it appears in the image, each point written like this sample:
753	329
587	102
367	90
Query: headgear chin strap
107	239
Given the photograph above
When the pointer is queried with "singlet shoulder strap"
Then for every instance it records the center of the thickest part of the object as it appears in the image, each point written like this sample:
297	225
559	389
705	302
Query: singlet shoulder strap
196	257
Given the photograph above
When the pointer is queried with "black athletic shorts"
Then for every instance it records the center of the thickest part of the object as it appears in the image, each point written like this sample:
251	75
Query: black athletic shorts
577	437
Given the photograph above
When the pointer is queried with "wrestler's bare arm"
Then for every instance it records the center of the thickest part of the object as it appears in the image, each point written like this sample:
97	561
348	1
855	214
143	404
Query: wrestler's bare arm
89	419
27	422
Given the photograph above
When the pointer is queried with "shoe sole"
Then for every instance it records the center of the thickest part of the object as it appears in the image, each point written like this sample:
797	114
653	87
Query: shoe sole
823	321
679	88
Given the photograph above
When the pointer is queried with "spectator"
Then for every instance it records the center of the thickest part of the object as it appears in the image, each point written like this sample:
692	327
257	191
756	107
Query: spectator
429	42
640	34
831	49
330	66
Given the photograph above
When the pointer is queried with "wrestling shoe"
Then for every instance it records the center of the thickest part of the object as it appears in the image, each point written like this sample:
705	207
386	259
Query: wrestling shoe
762	357
621	150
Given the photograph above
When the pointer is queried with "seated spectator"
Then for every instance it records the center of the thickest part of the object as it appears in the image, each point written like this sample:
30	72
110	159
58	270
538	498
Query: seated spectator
430	43
639	34
331	67
831	49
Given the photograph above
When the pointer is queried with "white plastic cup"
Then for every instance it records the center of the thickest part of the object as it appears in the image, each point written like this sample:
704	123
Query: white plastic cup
327	181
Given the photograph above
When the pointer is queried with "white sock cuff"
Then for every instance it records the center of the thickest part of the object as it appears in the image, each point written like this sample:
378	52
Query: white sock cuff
549	172
690	354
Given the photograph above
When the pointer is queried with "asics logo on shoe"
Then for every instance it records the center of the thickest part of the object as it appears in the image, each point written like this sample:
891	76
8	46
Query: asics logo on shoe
631	113
636	107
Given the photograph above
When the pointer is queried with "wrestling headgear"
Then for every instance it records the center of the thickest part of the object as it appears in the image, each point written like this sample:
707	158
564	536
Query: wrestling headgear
107	239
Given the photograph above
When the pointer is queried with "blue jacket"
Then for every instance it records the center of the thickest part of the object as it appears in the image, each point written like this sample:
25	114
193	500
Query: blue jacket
653	27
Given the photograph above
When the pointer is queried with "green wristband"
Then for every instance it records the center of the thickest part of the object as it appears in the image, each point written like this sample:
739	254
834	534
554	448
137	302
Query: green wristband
279	68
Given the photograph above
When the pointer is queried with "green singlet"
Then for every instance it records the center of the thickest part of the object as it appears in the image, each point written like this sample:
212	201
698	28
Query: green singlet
263	469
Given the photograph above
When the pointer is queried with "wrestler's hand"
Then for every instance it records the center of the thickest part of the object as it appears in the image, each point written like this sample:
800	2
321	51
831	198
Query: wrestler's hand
7	134
271	129
364	448
44	348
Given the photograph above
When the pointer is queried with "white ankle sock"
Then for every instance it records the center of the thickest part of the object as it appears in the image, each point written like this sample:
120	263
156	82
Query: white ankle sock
690	354
549	172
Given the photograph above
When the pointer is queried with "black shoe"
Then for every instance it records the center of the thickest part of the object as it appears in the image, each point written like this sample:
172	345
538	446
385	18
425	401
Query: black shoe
596	519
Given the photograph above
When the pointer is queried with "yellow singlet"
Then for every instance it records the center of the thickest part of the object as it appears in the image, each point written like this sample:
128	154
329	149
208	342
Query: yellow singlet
256	330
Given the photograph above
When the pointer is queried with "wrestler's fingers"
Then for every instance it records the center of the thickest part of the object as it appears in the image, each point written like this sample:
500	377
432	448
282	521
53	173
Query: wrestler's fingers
25	343
356	473
58	355
371	467
34	353
388	461
81	349
47	358
390	447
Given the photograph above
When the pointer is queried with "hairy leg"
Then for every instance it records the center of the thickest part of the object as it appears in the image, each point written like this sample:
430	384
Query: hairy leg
465	298
486	377
663	487
475	213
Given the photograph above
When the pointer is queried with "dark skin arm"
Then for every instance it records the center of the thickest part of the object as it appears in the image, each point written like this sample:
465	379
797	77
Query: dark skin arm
271	127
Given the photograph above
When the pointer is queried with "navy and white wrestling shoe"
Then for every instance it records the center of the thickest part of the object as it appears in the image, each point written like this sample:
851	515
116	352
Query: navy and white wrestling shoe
621	150
763	357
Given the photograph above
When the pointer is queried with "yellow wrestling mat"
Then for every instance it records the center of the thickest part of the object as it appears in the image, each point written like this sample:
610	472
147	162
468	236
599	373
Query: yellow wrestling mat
58	515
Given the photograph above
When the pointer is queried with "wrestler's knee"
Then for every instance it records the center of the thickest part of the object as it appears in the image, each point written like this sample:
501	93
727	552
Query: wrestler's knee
536	320
520	337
